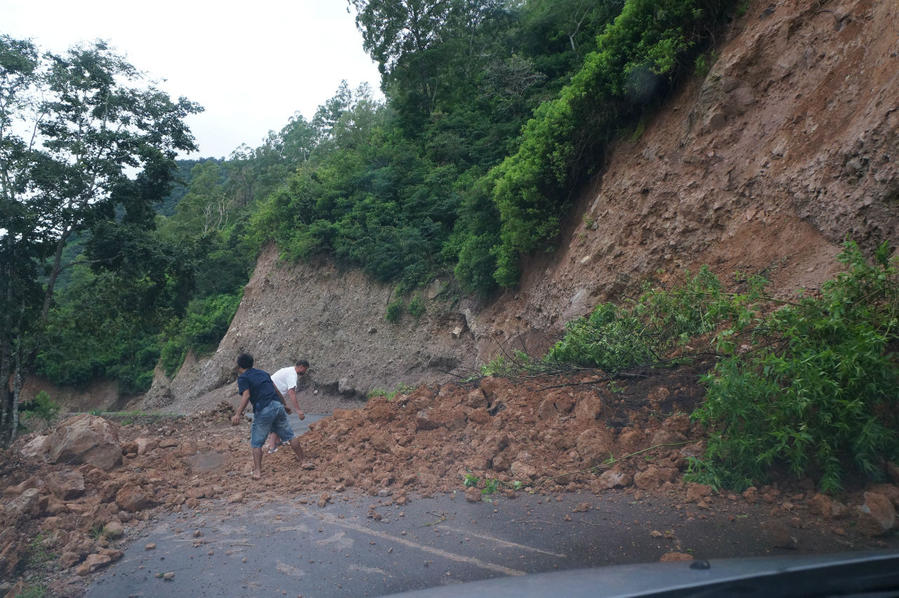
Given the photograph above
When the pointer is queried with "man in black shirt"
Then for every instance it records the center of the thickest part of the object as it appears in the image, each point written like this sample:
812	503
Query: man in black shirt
256	387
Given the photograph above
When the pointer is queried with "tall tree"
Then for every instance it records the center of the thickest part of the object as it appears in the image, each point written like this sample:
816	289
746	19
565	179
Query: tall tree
73	127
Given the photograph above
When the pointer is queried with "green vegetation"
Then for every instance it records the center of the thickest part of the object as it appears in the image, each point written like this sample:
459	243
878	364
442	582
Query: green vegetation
809	387
390	394
42	407
817	393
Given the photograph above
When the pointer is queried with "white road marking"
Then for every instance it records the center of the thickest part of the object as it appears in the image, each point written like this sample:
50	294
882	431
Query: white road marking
430	549
500	541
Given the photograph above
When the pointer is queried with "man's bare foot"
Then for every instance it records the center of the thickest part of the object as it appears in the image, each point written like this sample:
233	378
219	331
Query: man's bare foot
256	475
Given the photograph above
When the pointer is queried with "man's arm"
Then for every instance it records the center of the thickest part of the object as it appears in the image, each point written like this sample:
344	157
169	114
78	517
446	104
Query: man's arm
244	399
292	393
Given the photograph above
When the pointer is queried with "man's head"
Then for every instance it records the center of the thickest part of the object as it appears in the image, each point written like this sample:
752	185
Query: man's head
301	366
244	361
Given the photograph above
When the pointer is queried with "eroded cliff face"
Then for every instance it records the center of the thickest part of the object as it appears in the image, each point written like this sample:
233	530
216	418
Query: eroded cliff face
336	320
788	146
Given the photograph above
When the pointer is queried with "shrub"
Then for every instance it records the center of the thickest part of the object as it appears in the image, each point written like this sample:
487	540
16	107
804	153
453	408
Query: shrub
417	306
200	330
394	310
818	392
660	321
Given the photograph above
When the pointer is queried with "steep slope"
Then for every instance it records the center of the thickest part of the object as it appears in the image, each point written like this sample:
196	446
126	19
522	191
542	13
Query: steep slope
787	147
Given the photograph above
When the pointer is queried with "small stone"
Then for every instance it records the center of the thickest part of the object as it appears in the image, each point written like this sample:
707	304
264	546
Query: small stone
168	576
150	546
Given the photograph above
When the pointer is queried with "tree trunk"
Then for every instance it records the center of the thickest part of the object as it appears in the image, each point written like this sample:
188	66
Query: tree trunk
54	274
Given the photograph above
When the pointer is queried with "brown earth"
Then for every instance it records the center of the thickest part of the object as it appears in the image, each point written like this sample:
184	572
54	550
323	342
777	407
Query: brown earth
547	434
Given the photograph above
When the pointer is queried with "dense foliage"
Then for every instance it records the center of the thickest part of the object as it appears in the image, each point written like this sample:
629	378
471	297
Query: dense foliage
86	147
808	386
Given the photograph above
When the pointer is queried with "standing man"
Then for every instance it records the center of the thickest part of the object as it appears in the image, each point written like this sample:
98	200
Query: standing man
256	387
285	381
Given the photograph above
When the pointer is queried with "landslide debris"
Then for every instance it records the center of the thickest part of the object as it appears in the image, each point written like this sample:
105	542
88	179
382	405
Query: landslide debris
494	437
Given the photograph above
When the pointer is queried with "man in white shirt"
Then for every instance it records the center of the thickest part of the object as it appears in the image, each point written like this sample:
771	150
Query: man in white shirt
285	380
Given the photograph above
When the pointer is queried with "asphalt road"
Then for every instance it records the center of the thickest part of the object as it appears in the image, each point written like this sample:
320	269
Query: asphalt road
357	547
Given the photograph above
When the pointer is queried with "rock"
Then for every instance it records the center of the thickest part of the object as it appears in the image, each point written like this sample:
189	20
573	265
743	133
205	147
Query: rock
168	576
150	546
889	490
673	557
26	505
324	499
751	494
523	471
114	529
473	495
476	400
86	439
92	563
615	479
588	409
697	492
653	477
169	442
31	482
595	445
133	498
145	445
877	515
66	485
69	559
37	447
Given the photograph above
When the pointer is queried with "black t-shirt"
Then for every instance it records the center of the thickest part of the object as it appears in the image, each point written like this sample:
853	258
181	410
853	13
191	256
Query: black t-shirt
262	389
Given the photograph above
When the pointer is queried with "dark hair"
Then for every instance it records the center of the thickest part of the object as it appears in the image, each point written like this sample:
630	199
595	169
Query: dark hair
303	363
245	361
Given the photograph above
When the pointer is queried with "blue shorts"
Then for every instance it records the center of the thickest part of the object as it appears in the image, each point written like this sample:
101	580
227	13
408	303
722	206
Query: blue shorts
272	418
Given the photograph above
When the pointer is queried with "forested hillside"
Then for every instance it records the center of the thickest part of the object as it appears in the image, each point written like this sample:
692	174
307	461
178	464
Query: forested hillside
495	113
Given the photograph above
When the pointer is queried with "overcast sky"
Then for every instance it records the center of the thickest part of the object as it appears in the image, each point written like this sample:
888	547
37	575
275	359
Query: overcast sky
250	64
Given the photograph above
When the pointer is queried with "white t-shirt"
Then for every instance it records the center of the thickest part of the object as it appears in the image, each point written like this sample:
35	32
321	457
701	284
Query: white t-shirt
285	379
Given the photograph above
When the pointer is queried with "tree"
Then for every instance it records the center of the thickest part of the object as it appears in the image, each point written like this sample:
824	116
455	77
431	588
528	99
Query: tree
73	127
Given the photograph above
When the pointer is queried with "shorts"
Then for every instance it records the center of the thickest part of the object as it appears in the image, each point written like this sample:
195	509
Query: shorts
272	418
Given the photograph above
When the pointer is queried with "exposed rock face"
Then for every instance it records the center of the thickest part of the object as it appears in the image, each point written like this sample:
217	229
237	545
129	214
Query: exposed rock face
86	439
787	147
336	320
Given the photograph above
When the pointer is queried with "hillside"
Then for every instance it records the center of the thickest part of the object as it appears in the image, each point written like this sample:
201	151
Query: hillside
765	165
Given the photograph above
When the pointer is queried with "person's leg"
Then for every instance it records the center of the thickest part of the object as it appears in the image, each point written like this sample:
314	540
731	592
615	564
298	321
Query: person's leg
297	449
257	463
272	443
259	432
282	428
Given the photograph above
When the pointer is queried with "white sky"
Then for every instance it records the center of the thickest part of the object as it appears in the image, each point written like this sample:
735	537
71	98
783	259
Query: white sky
251	65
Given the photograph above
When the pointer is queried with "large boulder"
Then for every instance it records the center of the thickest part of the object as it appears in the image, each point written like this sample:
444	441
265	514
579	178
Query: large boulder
86	439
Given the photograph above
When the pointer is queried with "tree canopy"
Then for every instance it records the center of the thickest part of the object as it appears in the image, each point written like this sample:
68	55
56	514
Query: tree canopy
82	138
